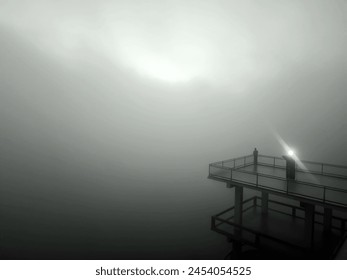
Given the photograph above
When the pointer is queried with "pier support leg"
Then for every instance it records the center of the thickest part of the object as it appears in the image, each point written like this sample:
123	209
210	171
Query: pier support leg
238	204
309	224
328	216
264	202
238	219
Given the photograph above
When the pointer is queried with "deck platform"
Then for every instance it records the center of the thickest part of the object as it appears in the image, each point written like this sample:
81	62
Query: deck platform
304	226
319	183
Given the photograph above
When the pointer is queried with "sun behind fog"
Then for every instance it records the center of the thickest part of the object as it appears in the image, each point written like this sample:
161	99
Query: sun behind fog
177	63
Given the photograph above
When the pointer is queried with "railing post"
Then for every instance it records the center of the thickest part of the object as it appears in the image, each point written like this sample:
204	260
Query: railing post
322	168
257	180
324	188
231	174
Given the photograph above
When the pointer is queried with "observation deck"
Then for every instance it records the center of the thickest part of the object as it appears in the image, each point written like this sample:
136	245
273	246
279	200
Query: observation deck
306	214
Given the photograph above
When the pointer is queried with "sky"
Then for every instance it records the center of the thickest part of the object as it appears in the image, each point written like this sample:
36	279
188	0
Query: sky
119	106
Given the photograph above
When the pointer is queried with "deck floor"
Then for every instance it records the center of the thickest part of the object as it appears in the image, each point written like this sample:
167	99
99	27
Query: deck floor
277	182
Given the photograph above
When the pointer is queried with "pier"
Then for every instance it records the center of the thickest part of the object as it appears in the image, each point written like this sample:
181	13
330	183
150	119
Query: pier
282	206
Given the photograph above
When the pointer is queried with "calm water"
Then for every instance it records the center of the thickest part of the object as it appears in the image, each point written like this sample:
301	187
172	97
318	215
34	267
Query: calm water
56	210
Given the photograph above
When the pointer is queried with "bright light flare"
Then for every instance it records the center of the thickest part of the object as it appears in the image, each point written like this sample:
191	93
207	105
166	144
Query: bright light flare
292	154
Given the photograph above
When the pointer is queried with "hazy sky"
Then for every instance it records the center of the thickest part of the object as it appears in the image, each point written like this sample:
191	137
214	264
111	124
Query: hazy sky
162	67
143	93
234	42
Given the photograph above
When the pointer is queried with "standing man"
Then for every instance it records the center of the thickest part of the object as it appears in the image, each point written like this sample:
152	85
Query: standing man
255	156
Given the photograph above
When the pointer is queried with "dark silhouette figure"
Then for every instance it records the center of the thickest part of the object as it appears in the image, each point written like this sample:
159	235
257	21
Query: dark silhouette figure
290	167
255	155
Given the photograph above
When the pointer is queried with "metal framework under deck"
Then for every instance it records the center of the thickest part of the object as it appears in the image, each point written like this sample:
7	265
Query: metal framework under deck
306	215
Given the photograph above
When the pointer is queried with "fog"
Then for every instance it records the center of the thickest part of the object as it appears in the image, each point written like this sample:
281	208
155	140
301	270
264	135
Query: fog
111	111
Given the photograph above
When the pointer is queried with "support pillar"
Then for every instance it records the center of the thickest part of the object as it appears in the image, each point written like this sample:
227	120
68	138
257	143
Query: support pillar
309	224
237	245
327	222
238	205
264	202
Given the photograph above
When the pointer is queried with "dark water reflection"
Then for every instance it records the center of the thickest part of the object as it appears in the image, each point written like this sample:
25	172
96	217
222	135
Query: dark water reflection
85	213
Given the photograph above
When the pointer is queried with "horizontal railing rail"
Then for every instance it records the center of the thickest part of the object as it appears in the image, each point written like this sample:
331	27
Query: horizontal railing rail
281	158
315	167
327	164
241	160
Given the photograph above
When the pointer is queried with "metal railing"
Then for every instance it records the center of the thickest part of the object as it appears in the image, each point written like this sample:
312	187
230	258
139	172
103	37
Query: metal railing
325	169
235	162
321	168
231	171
